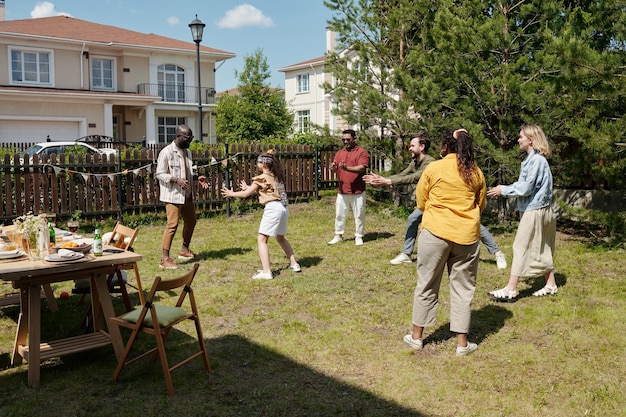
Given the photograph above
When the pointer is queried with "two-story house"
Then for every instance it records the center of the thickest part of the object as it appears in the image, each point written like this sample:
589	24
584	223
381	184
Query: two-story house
64	78
305	95
310	103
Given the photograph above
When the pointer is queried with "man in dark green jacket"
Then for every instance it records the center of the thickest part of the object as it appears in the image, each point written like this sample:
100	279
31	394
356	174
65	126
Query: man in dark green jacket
409	176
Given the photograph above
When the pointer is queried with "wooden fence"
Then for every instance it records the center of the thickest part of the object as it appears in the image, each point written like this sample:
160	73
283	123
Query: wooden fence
98	186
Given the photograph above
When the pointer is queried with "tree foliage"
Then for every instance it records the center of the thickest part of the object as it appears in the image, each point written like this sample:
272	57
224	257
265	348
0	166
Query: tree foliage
490	67
258	112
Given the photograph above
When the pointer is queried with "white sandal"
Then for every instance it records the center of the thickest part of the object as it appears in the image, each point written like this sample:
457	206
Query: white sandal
547	290
504	295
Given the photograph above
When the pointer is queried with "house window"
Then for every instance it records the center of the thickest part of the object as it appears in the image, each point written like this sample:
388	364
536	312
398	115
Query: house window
103	74
166	128
171	79
31	66
303	83
304	121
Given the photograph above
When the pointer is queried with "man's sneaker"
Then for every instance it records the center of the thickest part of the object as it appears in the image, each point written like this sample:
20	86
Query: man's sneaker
358	241
416	344
335	240
262	275
501	260
295	268
462	351
186	253
168	263
402	258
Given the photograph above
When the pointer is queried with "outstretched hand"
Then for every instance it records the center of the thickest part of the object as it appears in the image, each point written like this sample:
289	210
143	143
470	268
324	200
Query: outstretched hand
204	181
230	192
376	180
495	191
227	192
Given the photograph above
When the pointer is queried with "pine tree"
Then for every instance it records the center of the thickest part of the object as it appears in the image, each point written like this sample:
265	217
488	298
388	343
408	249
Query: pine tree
490	67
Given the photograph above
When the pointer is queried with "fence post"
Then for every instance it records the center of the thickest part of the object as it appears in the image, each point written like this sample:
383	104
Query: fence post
120	194
227	175
316	170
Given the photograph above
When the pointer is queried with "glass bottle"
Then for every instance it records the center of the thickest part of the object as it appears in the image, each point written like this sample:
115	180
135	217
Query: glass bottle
97	243
43	244
53	235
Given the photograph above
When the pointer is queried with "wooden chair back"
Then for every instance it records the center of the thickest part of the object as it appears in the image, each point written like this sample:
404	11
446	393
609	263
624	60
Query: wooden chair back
123	237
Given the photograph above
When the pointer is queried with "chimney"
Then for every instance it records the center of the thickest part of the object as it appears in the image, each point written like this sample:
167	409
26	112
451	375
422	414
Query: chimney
331	41
1	10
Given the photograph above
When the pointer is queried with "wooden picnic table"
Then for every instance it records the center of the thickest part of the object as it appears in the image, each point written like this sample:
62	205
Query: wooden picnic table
30	276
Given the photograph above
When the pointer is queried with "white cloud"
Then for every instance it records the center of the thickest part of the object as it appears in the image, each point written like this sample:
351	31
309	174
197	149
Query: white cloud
244	15
46	9
173	20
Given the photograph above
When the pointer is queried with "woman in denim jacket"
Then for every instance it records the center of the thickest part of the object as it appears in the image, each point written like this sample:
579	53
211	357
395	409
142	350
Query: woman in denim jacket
533	247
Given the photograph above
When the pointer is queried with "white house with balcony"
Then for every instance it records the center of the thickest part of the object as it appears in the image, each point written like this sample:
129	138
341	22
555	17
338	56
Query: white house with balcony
66	78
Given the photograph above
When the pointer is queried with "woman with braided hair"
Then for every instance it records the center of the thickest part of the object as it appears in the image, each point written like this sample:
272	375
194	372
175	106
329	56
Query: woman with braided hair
270	186
451	193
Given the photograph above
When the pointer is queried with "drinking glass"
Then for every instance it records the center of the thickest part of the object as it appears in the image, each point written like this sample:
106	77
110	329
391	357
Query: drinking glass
72	225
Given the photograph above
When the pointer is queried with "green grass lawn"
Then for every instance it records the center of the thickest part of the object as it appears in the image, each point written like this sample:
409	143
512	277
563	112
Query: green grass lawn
328	341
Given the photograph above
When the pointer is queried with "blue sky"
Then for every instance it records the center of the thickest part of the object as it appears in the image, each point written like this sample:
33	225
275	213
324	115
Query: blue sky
288	31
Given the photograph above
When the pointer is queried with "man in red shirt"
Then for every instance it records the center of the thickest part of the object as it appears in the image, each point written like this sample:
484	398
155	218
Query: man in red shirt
350	164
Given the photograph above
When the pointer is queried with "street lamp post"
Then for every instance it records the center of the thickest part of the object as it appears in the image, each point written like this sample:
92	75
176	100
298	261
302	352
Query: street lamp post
197	27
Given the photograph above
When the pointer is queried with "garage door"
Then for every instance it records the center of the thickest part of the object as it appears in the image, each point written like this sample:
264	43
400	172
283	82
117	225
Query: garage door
30	131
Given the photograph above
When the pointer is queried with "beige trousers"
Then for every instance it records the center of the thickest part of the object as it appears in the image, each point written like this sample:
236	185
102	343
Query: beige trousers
433	255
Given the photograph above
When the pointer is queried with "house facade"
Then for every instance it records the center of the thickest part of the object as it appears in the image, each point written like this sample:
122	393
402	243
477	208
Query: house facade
305	95
63	78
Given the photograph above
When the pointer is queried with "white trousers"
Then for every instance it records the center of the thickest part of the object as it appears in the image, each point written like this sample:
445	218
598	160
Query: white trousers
344	203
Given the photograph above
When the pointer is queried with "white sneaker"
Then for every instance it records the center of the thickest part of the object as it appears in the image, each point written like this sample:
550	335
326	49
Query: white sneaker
262	275
295	268
416	344
335	240
402	258
501	260
358	241
462	351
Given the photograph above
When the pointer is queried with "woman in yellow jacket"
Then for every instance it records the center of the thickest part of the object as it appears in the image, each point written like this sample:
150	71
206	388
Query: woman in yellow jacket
451	193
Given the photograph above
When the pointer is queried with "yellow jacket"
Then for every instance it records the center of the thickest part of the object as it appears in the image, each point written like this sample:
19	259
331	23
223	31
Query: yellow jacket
451	207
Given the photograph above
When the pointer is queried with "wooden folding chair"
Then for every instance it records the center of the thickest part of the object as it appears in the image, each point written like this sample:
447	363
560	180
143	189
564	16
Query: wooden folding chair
157	320
123	238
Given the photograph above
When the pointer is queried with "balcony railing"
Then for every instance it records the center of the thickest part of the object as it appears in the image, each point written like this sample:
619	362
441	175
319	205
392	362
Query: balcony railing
170	93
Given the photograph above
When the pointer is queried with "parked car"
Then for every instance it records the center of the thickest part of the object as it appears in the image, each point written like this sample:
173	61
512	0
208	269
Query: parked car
49	148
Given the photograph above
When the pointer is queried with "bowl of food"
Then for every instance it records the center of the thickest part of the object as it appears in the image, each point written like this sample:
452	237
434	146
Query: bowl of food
83	247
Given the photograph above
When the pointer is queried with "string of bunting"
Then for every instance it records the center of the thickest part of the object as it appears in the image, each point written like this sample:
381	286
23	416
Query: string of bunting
136	171
87	175
224	161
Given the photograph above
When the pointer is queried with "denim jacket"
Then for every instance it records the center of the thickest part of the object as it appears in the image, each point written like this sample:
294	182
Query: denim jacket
533	189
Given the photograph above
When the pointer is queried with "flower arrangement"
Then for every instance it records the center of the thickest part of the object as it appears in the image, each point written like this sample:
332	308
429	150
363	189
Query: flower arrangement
31	226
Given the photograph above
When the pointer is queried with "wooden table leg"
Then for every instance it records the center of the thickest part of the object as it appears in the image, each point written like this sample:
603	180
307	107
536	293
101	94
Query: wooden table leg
101	300
52	302
34	334
21	335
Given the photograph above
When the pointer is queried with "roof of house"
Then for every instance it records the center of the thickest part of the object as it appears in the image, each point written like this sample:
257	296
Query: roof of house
65	28
232	92
304	64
